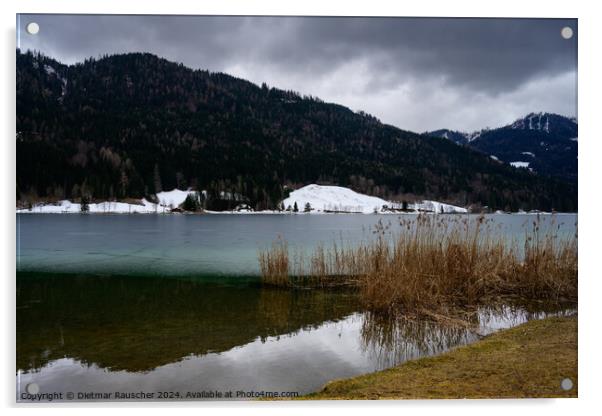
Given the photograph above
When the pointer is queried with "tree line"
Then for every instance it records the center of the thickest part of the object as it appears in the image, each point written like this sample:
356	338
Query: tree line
131	125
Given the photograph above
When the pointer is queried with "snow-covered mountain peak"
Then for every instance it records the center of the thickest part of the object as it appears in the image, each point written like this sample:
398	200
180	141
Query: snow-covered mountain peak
475	134
533	121
546	122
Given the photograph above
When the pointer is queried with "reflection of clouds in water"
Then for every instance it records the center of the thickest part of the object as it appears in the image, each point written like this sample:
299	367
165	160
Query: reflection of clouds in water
494	318
390	341
394	340
302	360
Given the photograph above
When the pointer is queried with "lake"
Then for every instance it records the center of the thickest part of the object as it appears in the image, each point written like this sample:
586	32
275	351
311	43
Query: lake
172	303
203	245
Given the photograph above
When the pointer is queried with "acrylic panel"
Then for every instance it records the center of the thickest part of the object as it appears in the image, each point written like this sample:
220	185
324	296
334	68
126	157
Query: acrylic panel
241	208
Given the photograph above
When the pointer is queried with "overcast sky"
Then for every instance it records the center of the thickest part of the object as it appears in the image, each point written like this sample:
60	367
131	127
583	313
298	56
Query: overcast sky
415	73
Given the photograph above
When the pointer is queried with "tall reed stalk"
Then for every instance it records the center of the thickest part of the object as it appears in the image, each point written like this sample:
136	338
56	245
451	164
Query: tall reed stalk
433	261
274	264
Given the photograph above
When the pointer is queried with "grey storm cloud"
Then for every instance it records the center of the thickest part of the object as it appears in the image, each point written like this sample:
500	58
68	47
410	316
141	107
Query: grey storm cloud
416	73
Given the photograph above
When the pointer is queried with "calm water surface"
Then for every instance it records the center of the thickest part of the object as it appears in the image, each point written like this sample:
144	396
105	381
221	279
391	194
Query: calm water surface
171	304
178	245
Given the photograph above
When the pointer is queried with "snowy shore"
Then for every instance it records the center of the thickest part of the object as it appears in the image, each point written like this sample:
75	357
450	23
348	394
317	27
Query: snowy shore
310	199
167	201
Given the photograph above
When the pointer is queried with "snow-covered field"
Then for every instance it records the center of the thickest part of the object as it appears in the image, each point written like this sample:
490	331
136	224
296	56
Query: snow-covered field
167	200
173	198
321	199
338	199
333	198
438	207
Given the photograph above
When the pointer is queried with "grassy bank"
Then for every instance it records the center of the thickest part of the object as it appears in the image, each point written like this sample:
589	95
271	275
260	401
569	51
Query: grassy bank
530	360
433	262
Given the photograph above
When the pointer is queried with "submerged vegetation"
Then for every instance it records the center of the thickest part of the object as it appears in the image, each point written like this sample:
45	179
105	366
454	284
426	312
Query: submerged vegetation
433	263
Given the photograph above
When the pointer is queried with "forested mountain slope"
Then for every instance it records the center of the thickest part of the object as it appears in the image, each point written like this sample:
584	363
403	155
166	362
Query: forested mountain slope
132	125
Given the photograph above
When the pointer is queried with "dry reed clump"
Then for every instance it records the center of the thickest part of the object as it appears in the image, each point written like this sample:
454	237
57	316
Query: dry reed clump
435	262
336	265
550	266
274	264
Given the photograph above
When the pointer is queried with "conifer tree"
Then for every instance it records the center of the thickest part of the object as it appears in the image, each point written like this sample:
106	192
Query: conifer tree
85	203
157	179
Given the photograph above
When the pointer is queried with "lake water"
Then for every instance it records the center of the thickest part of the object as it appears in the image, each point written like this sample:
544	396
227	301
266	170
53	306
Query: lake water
202	245
172	303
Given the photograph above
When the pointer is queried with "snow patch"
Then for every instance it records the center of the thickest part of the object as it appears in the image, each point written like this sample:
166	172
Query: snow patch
322	199
476	134
51	71
338	199
173	198
533	121
438	207
520	164
167	201
333	199
68	207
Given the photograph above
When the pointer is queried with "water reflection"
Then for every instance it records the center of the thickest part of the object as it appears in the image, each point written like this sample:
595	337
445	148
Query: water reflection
137	324
102	334
392	340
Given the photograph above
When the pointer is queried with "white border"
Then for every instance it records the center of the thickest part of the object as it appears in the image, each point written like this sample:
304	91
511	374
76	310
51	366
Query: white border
590	152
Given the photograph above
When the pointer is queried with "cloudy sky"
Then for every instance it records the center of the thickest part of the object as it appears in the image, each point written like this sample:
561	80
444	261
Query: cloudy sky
416	73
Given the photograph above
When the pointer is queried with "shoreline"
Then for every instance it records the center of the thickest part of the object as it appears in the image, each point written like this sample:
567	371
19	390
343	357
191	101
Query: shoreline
267	212
309	199
527	361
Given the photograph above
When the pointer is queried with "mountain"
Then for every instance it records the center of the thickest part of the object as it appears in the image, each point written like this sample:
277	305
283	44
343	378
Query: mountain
543	142
132	125
455	136
547	122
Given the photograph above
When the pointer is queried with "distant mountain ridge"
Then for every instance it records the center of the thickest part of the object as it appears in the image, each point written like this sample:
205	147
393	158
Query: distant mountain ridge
132	125
457	137
548	122
545	143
